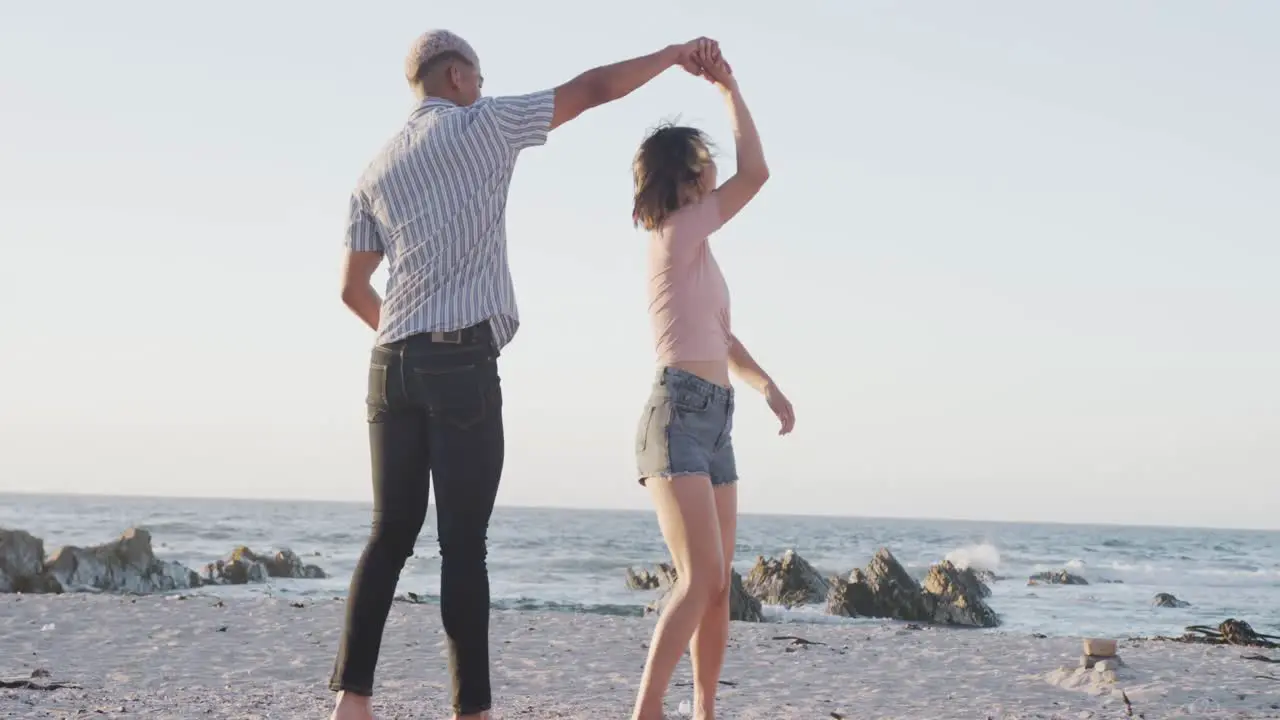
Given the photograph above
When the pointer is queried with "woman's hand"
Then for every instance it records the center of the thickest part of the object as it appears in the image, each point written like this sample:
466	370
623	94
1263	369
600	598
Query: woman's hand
722	75
714	67
781	407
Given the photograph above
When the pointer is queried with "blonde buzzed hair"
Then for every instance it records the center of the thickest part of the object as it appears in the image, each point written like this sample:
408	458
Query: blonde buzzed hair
436	45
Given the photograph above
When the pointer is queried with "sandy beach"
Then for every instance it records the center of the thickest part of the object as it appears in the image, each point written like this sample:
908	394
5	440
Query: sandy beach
198	656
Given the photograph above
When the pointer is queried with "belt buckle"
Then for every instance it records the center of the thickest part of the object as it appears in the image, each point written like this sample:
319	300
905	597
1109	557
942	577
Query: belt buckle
449	337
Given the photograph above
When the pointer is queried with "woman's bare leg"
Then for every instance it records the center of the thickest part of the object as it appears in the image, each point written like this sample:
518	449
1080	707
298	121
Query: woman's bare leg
686	508
352	707
712	634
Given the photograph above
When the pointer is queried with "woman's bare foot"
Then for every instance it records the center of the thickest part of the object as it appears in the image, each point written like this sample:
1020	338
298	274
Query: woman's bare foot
352	707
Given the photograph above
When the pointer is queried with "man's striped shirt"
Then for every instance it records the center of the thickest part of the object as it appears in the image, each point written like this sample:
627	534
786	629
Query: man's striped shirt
434	202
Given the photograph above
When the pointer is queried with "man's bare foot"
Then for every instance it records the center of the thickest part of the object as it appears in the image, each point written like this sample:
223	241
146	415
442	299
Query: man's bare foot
352	707
476	716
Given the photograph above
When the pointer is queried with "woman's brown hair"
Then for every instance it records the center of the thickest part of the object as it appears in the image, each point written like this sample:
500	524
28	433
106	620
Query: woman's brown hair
668	165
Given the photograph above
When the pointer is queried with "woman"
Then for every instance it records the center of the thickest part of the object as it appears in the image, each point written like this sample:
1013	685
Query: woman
683	448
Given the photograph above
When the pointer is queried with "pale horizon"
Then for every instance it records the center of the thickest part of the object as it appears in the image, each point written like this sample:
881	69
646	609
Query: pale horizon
816	515
1013	267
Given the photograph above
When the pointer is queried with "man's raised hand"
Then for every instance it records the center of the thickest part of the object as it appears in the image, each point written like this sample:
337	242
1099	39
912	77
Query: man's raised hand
694	53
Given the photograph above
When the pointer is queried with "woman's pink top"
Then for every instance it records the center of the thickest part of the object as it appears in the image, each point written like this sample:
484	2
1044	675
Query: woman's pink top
688	297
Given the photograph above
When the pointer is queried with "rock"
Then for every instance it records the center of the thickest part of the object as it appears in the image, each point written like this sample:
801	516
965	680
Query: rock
742	606
1099	680
245	566
1061	577
986	577
21	562
956	597
972	580
884	590
235	571
852	597
1108	665
789	581
1165	600
646	580
1102	664
897	594
1101	647
126	565
950	596
642	580
287	564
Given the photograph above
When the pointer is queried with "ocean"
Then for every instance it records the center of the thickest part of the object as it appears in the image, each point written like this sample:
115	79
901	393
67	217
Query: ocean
573	560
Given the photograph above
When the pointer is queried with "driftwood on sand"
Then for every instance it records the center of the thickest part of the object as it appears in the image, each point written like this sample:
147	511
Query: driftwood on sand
37	680
1229	632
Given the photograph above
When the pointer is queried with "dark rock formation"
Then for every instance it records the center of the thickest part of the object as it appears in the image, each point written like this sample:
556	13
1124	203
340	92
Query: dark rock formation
976	580
287	564
788	581
126	565
236	570
956	597
897	593
986	577
885	589
646	580
245	566
1061	577
852	597
22	563
1165	600
642	580
742	606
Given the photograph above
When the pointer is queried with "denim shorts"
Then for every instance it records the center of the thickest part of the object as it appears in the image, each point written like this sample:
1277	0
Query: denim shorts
684	429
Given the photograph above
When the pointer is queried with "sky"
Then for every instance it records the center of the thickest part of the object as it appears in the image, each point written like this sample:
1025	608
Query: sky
1016	261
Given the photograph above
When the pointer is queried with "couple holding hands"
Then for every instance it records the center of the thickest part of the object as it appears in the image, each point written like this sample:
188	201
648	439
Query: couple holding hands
432	206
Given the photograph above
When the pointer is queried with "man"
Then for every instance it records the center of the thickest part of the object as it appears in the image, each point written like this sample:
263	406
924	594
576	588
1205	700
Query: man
432	203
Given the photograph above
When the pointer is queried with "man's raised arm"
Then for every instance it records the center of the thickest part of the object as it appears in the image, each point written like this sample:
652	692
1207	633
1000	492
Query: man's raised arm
607	83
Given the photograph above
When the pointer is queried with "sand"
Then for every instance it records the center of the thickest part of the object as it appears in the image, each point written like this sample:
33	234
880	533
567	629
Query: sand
164	657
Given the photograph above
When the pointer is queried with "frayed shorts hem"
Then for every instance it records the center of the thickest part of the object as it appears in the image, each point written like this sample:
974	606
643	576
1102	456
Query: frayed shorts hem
715	481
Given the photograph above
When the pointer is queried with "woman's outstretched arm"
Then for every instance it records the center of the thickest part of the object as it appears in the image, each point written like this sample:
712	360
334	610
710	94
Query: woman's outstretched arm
752	171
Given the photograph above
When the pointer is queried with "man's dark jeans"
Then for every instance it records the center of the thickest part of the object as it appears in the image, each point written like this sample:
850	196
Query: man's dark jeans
435	409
